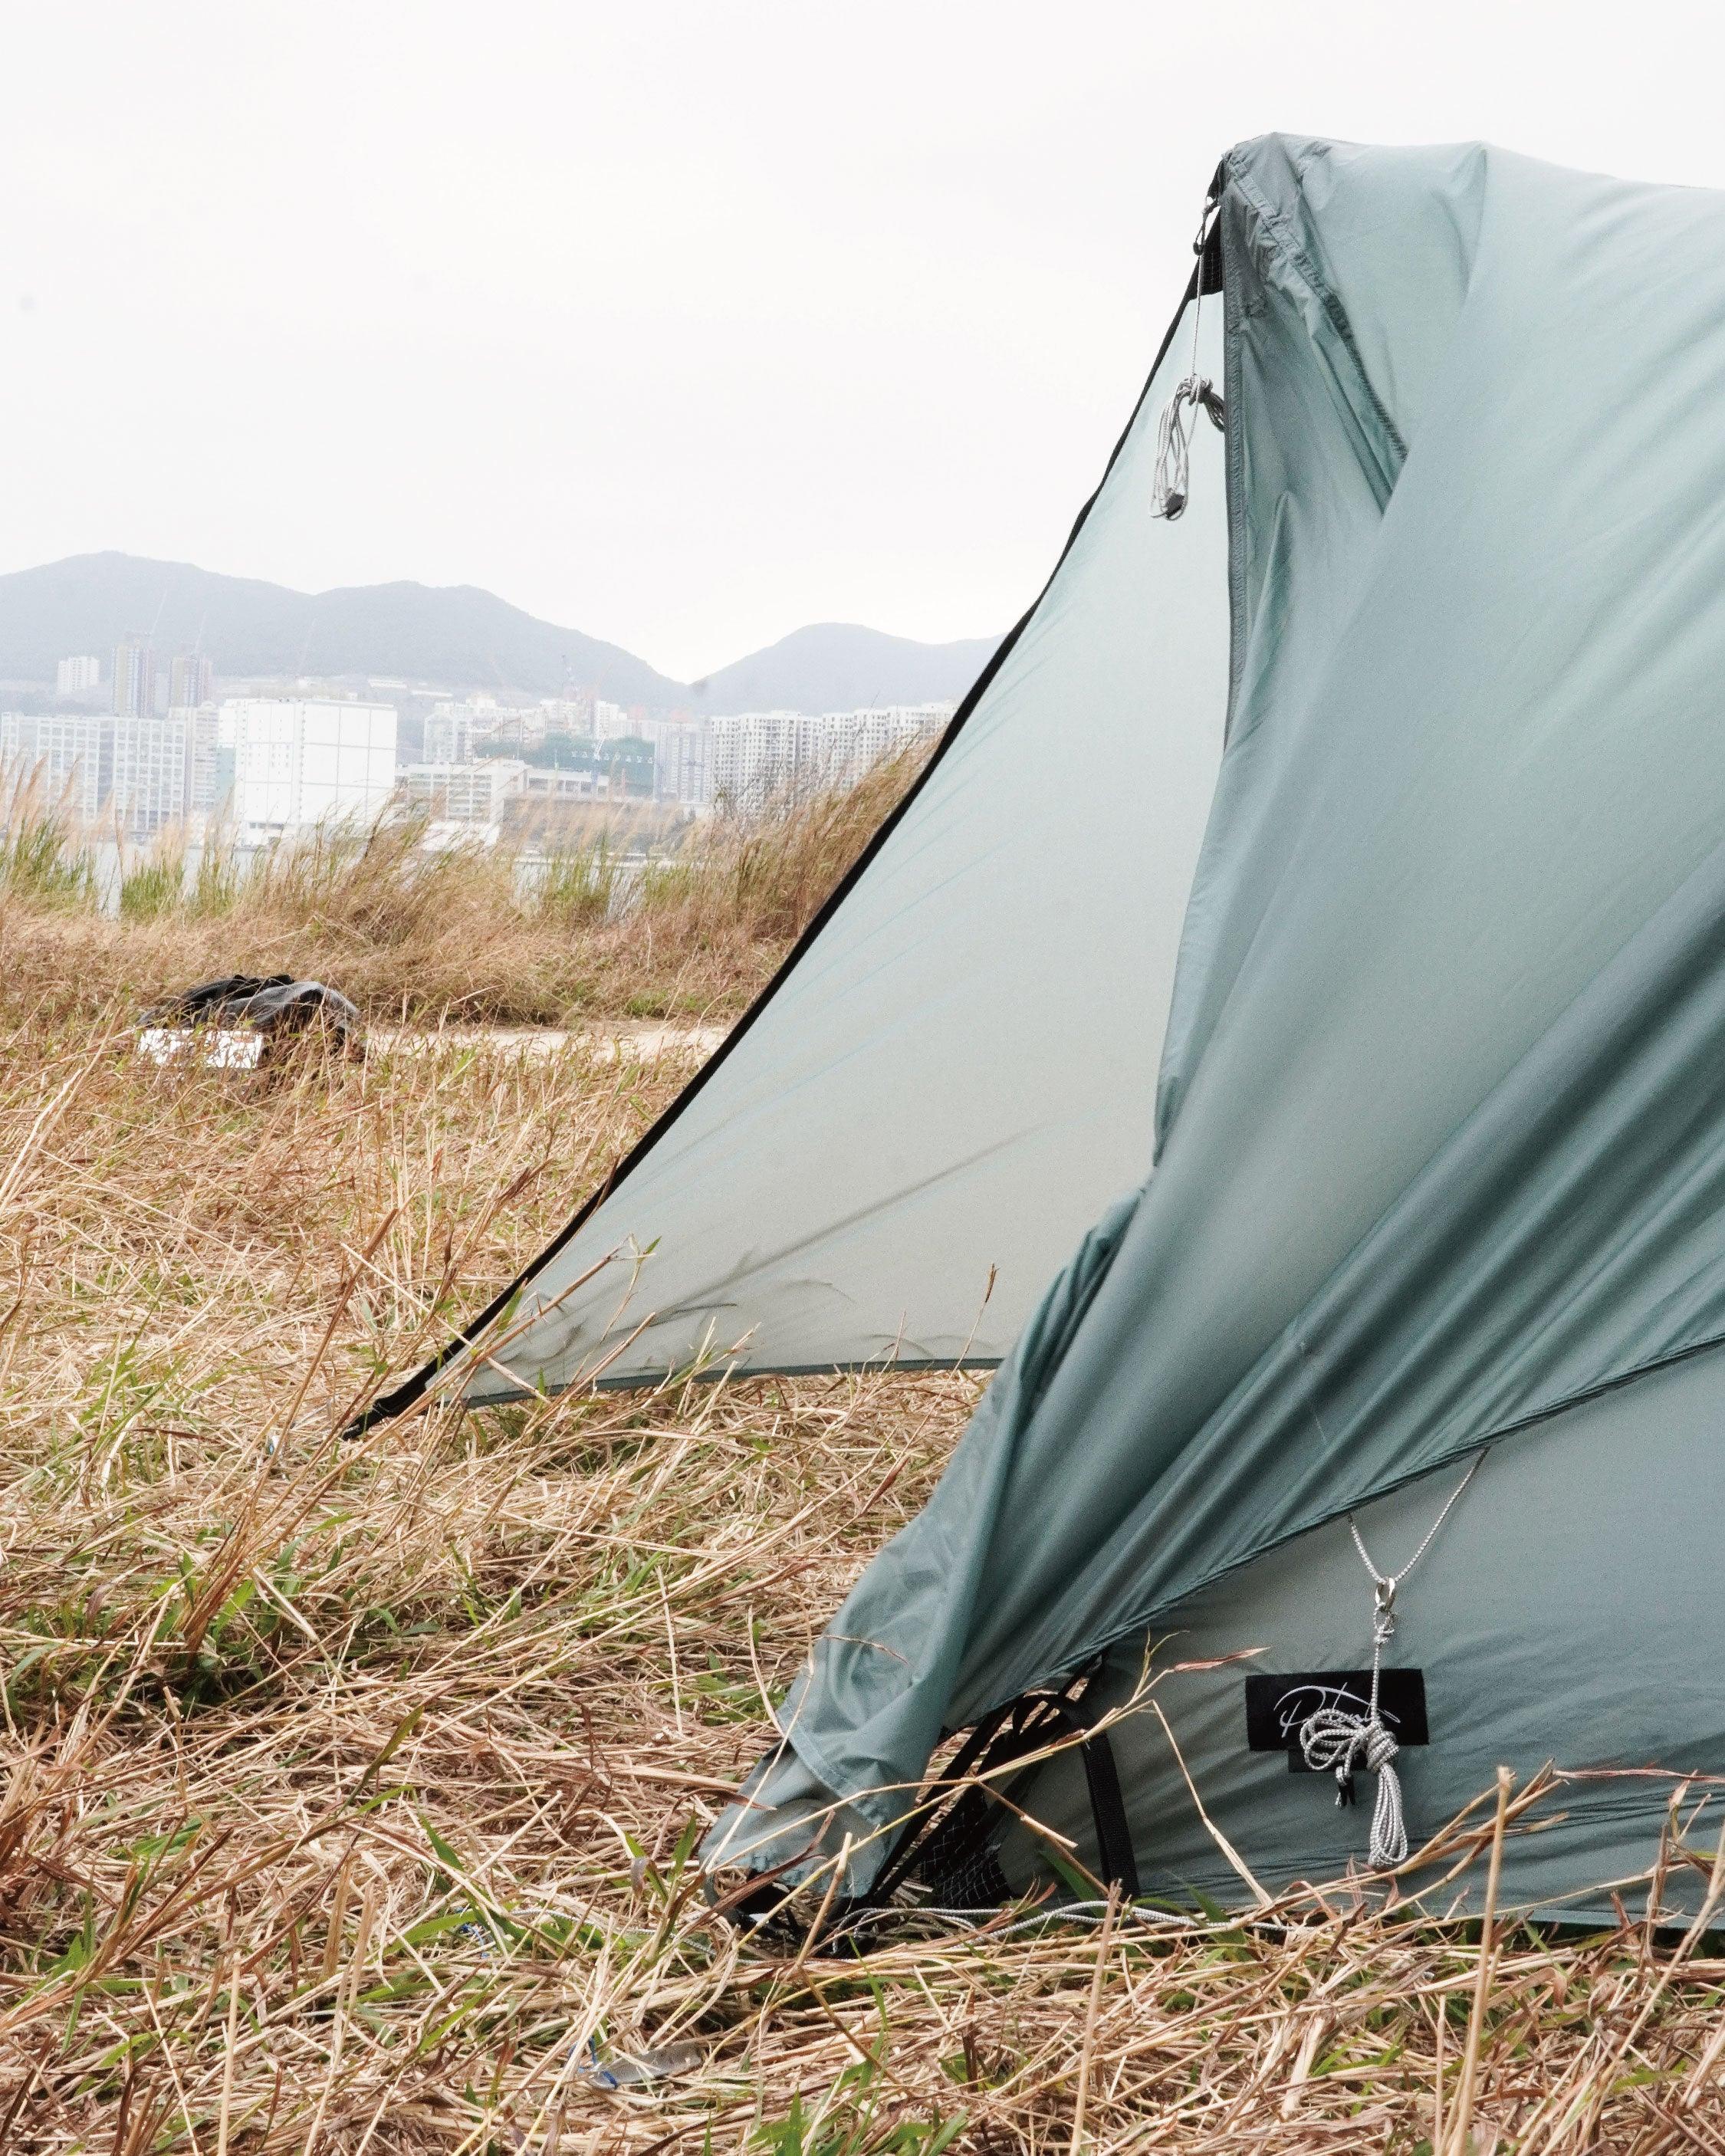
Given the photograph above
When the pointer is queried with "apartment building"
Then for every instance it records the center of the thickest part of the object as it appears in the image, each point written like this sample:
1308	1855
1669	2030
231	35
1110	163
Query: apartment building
300	761
77	677
136	775
757	754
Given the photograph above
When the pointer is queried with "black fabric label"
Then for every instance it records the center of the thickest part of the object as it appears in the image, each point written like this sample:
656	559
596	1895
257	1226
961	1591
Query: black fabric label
1277	1706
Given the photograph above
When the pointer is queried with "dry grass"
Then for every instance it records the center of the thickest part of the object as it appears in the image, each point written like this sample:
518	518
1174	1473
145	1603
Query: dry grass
415	934
348	1793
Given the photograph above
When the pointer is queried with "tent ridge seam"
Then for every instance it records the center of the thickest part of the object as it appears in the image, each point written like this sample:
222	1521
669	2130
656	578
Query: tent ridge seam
1294	256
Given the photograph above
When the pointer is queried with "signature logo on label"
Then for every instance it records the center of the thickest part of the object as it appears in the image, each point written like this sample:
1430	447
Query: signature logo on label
1300	1702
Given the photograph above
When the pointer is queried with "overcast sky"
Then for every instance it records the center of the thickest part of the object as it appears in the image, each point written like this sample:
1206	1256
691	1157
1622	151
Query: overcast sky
679	324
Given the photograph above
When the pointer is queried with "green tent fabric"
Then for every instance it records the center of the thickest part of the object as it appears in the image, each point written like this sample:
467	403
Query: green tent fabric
1439	1145
900	1142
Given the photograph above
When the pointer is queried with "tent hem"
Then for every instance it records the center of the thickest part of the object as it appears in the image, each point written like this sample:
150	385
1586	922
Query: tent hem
647	1382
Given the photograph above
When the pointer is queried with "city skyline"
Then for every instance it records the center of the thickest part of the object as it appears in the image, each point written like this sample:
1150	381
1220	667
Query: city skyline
268	767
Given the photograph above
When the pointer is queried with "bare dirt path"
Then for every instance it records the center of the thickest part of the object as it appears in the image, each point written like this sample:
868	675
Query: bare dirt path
623	1043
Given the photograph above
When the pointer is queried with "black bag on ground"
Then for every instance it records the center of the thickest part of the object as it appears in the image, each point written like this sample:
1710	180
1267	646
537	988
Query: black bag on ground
277	1006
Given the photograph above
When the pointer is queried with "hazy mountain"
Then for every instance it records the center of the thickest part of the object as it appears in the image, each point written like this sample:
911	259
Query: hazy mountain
459	637
456	636
836	666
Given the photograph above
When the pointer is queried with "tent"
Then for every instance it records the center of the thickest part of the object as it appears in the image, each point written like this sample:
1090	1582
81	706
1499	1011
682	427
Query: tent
1307	947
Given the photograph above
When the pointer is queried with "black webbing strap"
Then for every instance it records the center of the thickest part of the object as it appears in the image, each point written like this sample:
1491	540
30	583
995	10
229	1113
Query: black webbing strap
970	1755
1116	1857
1011	1730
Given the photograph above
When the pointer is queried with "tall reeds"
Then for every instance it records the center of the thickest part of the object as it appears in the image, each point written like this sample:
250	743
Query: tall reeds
43	860
640	916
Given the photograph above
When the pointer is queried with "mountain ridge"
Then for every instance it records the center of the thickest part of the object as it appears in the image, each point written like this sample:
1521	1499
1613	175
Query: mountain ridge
459	637
859	667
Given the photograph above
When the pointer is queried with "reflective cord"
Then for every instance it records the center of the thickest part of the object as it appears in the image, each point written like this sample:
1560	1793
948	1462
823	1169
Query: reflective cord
1383	1580
1171	483
1332	1741
1335	1741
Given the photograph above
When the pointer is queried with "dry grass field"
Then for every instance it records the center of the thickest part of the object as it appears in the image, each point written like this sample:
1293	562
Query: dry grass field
349	1792
454	937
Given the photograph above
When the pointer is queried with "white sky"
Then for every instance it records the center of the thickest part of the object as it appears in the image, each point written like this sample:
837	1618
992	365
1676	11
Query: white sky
682	324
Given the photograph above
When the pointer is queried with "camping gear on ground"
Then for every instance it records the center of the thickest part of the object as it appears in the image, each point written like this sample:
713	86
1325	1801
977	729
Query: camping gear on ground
242	1021
1406	736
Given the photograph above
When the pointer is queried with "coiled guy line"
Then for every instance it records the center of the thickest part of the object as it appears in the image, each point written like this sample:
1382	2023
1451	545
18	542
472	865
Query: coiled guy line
1333	1741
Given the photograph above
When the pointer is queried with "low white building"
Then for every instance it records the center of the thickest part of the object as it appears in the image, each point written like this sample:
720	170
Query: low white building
471	795
301	761
545	782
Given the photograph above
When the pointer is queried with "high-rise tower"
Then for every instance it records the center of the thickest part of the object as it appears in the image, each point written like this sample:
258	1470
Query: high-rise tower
188	681
134	681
